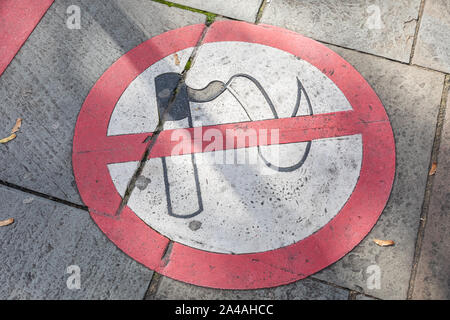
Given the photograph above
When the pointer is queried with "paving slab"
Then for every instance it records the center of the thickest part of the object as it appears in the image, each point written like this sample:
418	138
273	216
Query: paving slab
48	80
306	289
433	273
46	238
381	27
237	9
433	41
411	96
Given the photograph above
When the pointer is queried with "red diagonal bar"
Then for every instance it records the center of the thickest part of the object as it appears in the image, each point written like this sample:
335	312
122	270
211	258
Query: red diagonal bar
290	130
123	148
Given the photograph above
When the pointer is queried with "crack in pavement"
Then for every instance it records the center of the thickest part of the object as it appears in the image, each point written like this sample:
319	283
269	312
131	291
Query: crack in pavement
151	139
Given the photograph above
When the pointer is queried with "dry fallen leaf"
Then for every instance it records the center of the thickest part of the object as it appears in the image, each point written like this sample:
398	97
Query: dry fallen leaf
433	169
384	243
177	60
6	222
7	139
17	126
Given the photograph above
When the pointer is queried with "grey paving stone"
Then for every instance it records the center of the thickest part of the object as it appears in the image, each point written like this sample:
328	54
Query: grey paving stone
433	274
380	27
411	96
242	10
48	237
301	290
48	80
433	42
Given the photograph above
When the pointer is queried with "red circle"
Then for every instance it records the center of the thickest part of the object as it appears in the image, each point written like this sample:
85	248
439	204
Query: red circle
93	150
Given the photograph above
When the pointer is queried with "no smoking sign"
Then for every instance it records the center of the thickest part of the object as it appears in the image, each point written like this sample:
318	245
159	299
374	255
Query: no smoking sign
276	157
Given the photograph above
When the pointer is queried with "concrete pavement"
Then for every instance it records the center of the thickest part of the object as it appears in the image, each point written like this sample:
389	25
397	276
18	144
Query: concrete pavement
401	49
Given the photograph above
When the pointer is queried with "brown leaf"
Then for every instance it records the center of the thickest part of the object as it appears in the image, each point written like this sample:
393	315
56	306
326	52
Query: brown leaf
384	243
177	60
6	222
17	126
433	169
8	139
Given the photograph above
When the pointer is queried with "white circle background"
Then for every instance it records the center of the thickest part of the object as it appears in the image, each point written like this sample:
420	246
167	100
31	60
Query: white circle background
247	208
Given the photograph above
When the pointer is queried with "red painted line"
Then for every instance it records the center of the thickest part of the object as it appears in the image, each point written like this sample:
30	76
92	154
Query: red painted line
18	18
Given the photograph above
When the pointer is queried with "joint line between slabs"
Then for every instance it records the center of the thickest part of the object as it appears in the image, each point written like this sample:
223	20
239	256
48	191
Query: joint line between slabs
260	12
379	56
429	186
151	140
153	286
416	32
350	291
43	195
352	295
210	16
